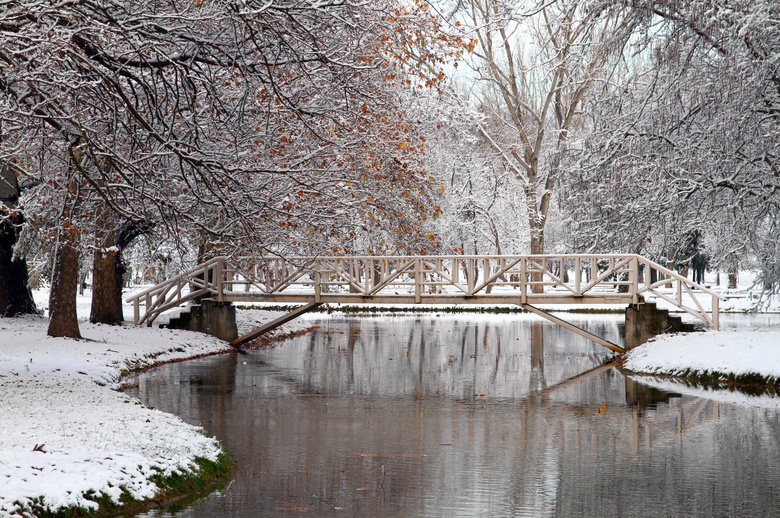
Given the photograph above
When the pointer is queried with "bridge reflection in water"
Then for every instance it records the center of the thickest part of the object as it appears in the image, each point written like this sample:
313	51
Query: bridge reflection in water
465	415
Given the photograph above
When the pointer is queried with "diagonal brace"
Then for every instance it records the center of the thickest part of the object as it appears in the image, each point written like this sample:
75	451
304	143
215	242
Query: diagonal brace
572	327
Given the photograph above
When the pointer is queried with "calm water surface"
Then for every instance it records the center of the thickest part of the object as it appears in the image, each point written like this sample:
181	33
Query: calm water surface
466	416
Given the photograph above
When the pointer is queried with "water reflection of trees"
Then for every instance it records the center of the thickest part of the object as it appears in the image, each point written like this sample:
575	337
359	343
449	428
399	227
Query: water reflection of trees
411	438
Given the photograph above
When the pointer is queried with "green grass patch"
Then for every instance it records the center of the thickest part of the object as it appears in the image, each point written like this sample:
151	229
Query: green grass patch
749	383
365	309
177	489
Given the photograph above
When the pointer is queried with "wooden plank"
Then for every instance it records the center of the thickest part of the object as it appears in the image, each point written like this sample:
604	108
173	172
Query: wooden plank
523	281
577	275
431	298
716	313
572	327
274	323
418	281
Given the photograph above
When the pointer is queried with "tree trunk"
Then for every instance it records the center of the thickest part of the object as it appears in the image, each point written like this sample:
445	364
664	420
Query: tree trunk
15	295
107	271
733	279
63	320
537	248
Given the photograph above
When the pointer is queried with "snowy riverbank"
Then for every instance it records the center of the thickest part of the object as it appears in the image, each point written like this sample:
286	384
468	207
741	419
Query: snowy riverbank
737	352
66	430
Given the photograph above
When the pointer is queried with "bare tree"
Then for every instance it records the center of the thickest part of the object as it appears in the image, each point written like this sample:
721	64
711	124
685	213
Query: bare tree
534	64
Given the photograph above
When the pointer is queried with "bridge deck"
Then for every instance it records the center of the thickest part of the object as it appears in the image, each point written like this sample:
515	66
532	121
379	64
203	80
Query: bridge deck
442	298
492	280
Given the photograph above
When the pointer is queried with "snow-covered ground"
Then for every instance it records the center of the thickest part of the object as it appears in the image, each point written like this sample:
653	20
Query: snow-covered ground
730	351
65	430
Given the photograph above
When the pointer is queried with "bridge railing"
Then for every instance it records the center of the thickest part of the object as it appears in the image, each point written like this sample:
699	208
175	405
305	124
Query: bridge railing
553	279
200	281
677	290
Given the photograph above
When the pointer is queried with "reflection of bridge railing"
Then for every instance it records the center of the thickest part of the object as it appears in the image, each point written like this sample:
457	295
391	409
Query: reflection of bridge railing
570	279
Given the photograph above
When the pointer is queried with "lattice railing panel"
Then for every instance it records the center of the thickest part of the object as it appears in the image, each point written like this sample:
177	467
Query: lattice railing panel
607	279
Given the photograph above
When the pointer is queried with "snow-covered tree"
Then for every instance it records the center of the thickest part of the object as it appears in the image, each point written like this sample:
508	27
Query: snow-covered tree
687	141
534	63
252	126
482	211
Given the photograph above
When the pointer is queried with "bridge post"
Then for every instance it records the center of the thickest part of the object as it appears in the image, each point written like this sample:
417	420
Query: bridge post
317	281
715	313
577	274
523	282
148	305
418	280
218	281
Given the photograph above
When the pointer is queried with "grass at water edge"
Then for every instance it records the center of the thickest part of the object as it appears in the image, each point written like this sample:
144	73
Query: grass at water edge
207	476
750	383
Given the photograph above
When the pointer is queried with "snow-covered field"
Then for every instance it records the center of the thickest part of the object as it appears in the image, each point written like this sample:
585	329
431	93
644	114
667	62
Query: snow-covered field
66	430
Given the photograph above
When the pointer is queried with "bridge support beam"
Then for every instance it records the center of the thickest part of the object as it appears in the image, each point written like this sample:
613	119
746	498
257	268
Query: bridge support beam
573	328
275	323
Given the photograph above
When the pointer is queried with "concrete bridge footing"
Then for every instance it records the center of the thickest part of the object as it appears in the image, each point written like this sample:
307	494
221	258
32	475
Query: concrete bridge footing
214	318
644	321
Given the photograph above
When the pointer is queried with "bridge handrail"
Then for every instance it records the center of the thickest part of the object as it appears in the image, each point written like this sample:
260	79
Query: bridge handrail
157	297
471	277
187	273
682	282
642	260
677	276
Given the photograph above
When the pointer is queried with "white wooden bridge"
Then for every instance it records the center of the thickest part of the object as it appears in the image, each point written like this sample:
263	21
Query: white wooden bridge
454	279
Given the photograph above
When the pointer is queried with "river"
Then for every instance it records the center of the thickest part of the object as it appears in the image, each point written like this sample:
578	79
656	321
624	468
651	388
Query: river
466	415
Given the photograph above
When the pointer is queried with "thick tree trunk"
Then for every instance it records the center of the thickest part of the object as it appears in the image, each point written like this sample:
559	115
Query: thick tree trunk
107	272
63	320
15	295
537	248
